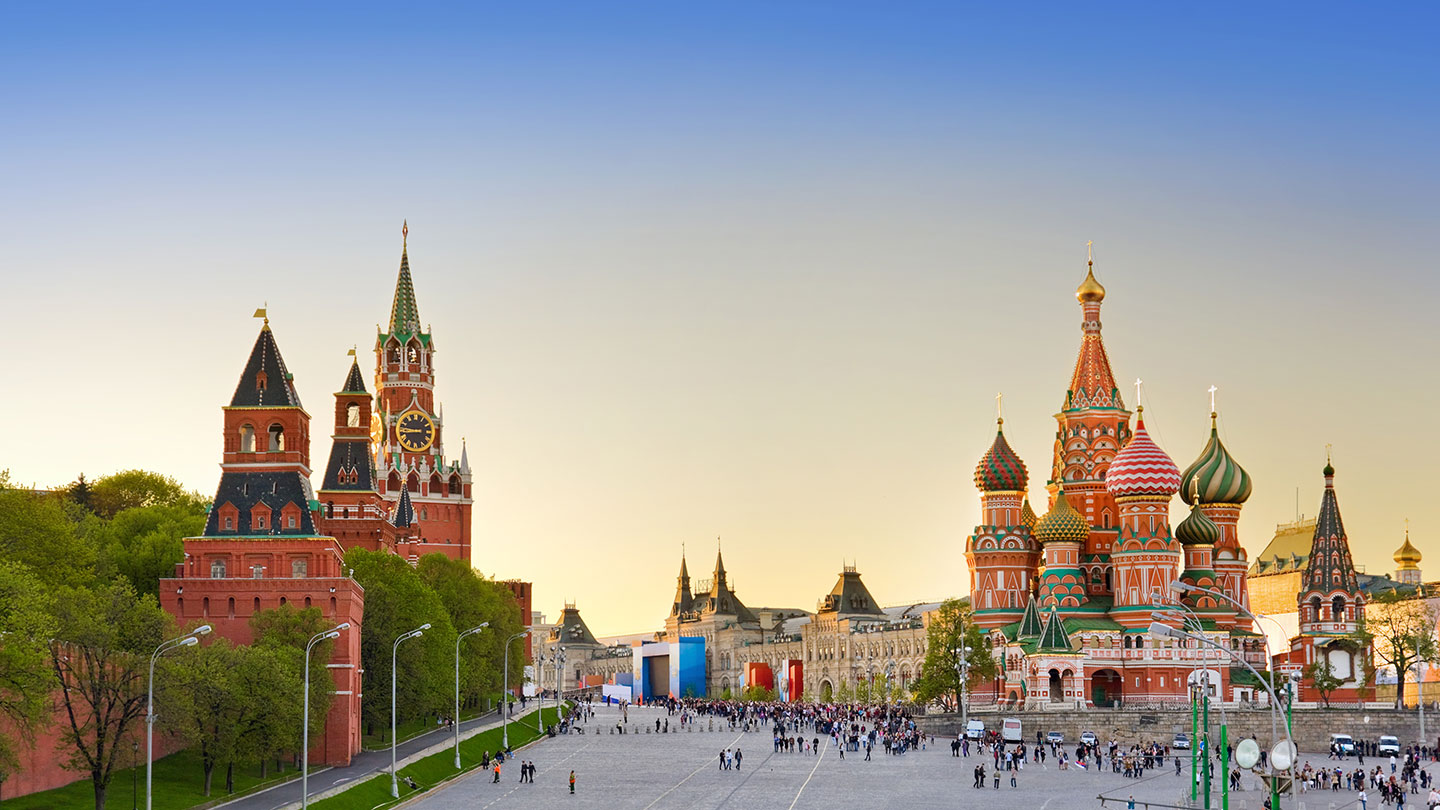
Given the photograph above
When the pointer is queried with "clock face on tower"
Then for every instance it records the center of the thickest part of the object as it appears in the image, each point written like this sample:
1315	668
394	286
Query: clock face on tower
415	431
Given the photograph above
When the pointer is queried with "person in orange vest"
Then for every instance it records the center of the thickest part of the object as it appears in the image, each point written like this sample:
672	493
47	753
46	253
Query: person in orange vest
497	771
572	783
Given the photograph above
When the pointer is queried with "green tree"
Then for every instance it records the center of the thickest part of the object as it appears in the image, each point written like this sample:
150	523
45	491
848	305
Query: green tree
396	602
1322	677
756	693
286	629
79	492
26	625
844	694
951	630
131	489
35	531
469	600
100	660
145	543
1400	629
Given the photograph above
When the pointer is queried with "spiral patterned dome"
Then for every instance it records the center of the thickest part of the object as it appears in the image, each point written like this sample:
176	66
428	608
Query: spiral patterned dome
1197	529
1142	468
1221	479
1062	524
1000	469
1027	516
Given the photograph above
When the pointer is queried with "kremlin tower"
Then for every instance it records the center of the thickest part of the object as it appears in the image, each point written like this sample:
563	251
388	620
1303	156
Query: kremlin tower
408	430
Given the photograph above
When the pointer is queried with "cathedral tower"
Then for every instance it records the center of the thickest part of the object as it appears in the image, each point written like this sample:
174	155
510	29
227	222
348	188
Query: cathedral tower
1220	487
1002	555
1092	427
1146	556
409	431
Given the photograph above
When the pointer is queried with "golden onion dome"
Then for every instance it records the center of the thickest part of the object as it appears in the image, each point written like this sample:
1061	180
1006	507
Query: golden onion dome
1062	523
1407	554
1090	289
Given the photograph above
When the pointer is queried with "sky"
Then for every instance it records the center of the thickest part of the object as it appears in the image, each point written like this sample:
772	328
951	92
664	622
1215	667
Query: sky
753	271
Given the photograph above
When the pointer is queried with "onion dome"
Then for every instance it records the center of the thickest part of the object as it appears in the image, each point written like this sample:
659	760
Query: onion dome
1197	529
1090	289
1407	556
1062	524
1221	479
1000	470
1027	516
1142	468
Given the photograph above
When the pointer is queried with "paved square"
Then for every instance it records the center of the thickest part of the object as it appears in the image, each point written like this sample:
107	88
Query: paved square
681	770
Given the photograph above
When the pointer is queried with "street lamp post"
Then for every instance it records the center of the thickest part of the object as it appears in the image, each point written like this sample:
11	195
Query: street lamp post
134	775
456	718
505	694
962	669
394	650
190	639
333	632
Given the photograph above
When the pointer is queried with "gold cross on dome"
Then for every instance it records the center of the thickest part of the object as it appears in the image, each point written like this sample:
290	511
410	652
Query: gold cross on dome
1000	406
1090	251
1138	382
1213	389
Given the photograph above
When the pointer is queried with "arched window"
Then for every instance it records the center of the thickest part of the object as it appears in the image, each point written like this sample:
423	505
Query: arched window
1337	608
329	509
352	415
205	607
414	483
423	514
1315	608
217	569
277	439
247	439
230	609
455	488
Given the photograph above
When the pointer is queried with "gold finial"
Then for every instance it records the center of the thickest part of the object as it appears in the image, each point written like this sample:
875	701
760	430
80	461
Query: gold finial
1213	389
1327	453
1138	384
404	233
1000	409
1090	252
1195	487
1090	290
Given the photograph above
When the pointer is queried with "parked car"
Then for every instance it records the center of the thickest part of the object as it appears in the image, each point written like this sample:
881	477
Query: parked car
1343	743
1181	741
975	730
1055	738
1088	737
1388	746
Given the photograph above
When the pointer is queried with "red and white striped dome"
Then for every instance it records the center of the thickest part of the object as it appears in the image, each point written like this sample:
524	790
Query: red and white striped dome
1142	468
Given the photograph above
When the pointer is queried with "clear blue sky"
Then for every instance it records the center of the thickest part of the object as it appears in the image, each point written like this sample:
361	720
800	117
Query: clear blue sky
749	269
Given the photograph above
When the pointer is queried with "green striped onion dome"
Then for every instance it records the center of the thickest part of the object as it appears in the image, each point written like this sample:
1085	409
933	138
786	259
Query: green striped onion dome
1197	529
1221	479
1062	524
1000	469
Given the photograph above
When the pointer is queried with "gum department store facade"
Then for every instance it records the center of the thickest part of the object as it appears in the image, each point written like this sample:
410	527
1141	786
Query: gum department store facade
1066	598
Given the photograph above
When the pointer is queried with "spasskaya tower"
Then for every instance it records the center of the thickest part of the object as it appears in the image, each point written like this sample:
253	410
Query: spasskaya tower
407	430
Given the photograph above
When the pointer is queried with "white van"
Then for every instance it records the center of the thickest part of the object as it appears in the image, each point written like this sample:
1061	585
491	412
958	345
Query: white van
975	730
1343	743
1010	730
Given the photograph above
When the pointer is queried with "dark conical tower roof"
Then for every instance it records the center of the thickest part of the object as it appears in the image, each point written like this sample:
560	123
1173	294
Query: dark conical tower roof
684	601
265	382
354	381
1330	567
404	511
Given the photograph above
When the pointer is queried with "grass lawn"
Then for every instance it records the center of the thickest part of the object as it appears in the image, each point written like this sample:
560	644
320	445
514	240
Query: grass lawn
179	783
434	769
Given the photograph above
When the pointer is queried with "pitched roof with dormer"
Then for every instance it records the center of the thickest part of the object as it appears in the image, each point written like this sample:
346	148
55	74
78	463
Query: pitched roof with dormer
850	597
265	382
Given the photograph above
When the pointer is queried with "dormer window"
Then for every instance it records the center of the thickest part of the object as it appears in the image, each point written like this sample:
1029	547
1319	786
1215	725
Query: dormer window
260	382
229	524
260	521
289	521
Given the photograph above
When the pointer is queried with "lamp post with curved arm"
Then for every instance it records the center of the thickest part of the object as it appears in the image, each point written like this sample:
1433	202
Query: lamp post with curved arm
456	719
505	693
333	632
1198	733
394	650
190	639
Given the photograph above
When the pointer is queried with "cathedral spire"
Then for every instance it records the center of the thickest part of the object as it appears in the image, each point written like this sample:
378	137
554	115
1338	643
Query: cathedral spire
1092	385
1330	567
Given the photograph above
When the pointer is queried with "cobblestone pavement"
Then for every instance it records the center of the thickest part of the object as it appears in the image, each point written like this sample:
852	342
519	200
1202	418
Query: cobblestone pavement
681	770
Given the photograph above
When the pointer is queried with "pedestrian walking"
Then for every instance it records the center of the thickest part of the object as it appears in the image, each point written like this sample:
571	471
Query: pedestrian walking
572	783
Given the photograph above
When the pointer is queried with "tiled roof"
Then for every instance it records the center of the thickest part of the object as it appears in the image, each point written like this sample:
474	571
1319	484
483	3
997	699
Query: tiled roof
265	383
350	456
252	492
404	511
1330	567
354	381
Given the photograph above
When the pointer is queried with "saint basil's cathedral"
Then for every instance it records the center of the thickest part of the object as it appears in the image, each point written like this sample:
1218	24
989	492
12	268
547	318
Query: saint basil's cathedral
271	539
1067	598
